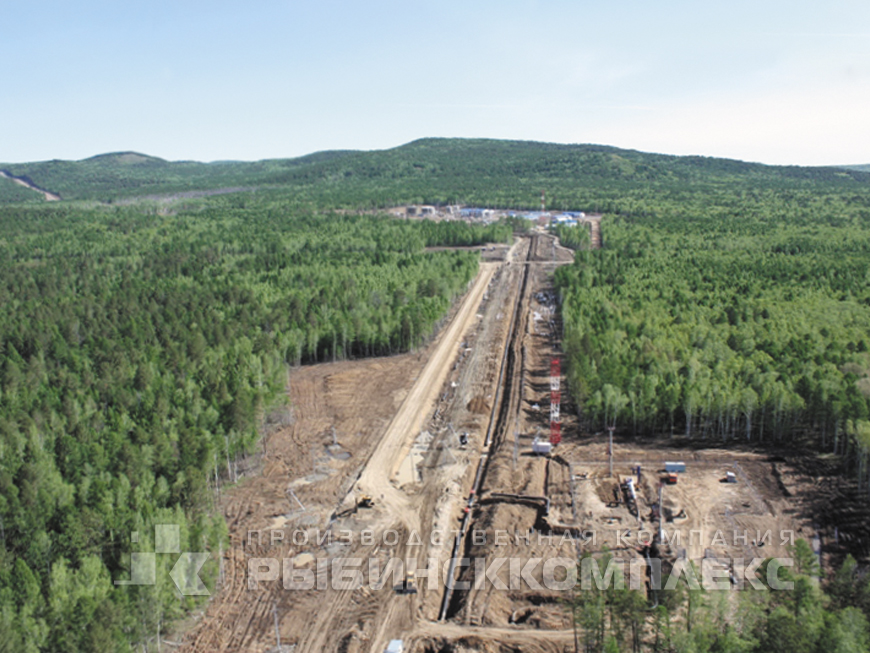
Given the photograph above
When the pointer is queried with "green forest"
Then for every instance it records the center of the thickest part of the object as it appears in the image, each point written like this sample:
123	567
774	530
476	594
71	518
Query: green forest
140	354
787	611
145	338
749	322
497	173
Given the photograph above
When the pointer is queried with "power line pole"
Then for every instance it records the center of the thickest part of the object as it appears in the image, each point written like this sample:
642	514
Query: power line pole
277	631
610	449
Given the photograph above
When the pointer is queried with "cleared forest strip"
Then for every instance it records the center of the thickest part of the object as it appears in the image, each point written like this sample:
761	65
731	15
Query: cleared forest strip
23	181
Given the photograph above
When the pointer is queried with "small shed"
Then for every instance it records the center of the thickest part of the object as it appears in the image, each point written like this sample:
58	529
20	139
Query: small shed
675	467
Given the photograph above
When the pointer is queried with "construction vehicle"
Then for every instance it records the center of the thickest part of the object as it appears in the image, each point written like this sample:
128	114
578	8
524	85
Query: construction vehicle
617	496
670	479
409	585
364	501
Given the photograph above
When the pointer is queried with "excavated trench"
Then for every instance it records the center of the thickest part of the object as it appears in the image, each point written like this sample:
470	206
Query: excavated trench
504	404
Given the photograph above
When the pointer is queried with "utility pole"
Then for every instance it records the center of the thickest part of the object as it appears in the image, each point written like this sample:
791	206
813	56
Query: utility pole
661	511
555	401
574	597
221	564
277	631
610	449
217	482
295	498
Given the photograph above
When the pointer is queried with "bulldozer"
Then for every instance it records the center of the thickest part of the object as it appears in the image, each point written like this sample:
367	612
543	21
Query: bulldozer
365	501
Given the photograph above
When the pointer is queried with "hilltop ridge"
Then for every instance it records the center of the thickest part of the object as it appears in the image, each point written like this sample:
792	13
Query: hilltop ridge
459	168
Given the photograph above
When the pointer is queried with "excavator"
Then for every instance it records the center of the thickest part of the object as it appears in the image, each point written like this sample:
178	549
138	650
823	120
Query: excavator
364	501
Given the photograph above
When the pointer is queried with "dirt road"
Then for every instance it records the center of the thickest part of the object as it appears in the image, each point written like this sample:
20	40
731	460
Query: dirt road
431	637
377	478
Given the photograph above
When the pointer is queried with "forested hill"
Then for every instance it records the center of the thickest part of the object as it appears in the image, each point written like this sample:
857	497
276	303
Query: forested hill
427	170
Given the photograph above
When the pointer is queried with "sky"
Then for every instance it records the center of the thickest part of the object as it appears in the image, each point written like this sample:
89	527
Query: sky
772	81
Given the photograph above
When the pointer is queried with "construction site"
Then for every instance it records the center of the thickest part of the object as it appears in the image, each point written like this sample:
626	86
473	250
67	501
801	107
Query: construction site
468	450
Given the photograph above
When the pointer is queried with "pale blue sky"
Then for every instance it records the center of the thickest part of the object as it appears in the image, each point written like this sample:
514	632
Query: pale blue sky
773	81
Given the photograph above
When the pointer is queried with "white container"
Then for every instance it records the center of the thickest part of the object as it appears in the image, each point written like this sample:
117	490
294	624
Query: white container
541	447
